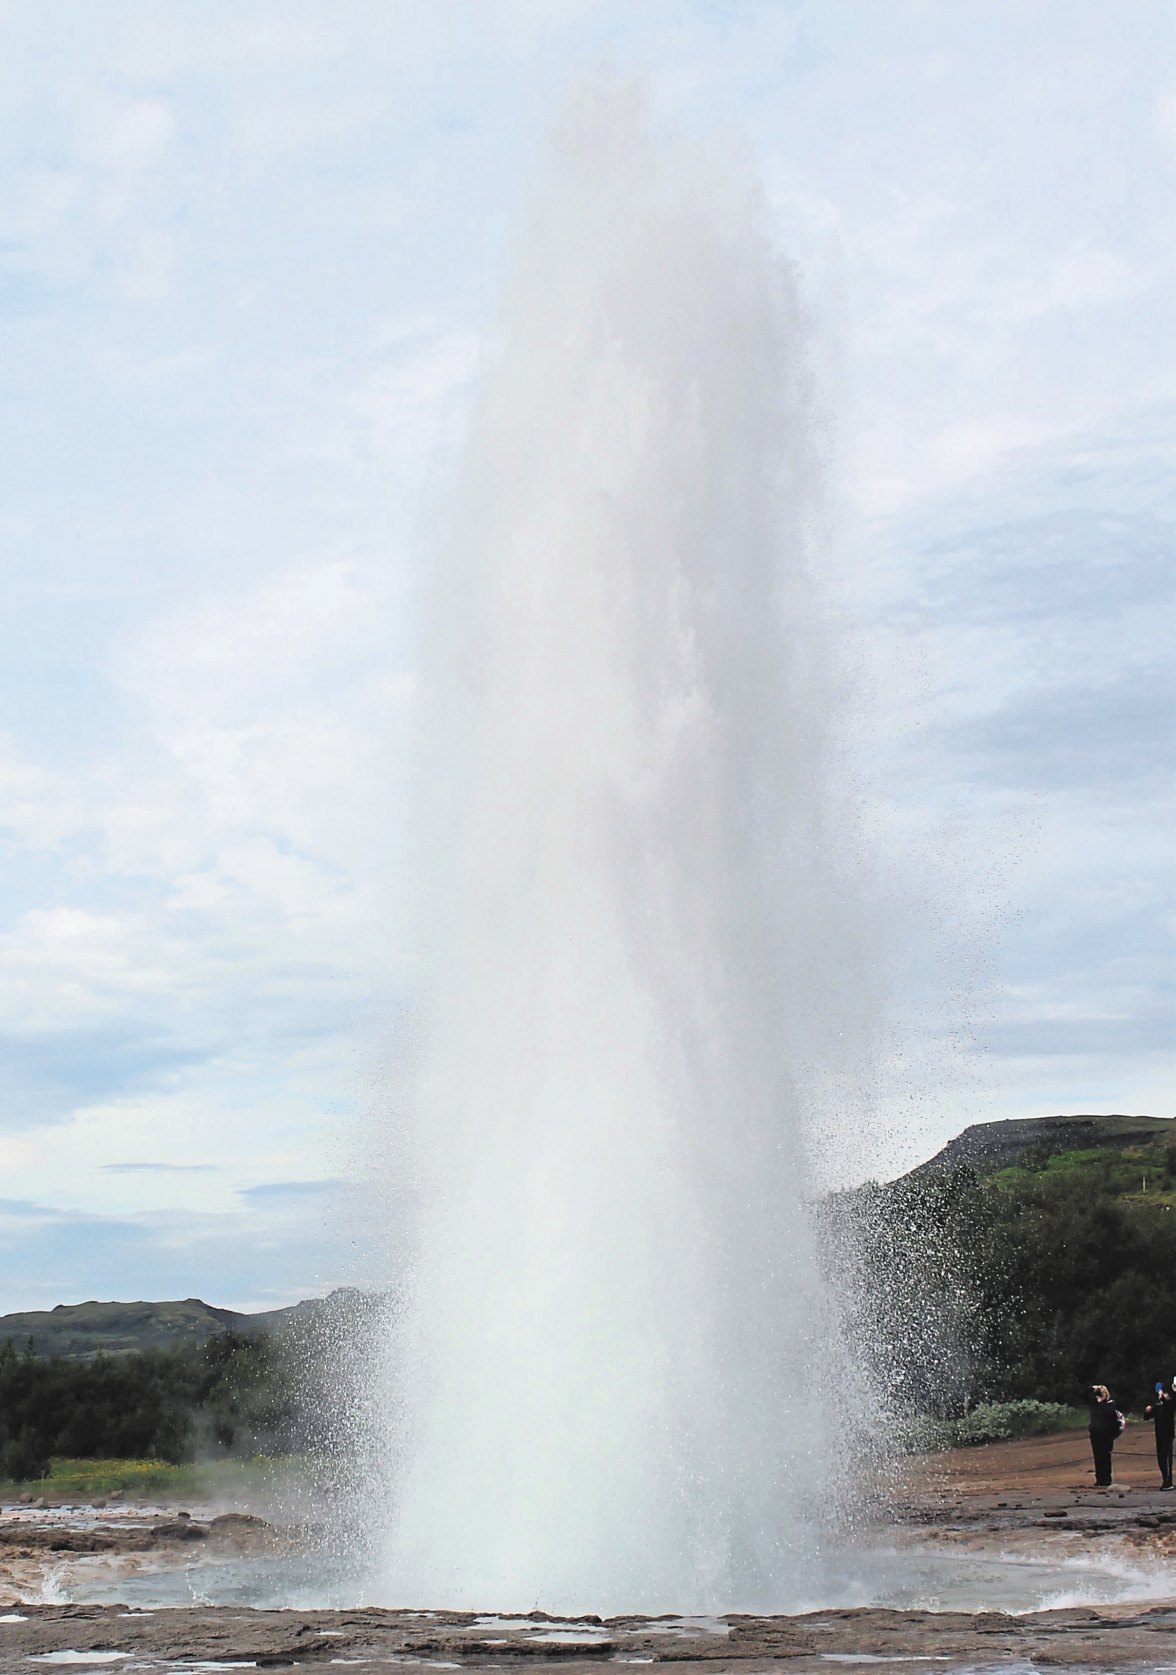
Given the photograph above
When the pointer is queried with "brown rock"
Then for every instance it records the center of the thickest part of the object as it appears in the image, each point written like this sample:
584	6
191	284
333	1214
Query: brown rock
1126	1639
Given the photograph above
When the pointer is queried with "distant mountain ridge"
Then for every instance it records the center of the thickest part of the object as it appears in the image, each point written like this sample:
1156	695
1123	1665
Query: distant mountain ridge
80	1330
997	1145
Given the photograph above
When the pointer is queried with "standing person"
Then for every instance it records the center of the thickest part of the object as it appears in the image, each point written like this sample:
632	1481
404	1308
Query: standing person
1105	1424
1163	1414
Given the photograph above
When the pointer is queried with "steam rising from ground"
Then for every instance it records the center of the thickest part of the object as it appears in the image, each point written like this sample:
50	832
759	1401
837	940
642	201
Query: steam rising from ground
643	953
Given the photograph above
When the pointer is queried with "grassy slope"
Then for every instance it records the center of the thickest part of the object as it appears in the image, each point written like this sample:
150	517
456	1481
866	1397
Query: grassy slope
81	1329
1139	1175
998	1145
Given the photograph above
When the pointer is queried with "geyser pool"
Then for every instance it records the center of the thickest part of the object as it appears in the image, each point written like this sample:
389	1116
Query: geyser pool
614	1382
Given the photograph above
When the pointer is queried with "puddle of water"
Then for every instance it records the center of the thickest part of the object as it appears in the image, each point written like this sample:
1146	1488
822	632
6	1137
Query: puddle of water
693	1627
879	1657
78	1657
295	1581
569	1637
922	1578
936	1580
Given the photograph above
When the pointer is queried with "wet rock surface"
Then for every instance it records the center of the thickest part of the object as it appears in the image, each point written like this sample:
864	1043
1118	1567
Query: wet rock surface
1074	1640
237	1531
58	1552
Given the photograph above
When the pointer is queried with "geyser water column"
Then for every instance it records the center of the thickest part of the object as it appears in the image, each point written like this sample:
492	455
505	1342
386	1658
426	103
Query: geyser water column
608	1388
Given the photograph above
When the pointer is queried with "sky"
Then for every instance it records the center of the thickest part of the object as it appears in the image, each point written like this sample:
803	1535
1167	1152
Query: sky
249	255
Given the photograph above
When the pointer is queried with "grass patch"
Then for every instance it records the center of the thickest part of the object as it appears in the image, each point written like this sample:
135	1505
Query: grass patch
1144	1173
153	1479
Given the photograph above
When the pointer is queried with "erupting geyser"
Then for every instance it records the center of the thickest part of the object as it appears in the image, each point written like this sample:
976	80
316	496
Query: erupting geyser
611	1385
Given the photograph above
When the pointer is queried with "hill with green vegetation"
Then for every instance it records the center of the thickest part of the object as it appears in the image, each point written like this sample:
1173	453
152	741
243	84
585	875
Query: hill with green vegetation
996	1145
164	1404
289	1388
77	1330
80	1330
1027	1280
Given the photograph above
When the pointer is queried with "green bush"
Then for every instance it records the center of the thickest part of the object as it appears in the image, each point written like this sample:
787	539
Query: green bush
993	1422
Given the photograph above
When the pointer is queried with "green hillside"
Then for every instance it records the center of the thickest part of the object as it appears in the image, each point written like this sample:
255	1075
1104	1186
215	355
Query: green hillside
80	1330
288	1386
1027	1279
1139	1174
986	1146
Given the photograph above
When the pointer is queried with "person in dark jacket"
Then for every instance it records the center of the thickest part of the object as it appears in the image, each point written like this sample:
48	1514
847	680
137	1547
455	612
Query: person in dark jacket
1104	1429
1162	1412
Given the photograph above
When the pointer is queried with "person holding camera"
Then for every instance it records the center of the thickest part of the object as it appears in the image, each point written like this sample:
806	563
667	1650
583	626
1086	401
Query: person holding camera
1106	1422
1162	1412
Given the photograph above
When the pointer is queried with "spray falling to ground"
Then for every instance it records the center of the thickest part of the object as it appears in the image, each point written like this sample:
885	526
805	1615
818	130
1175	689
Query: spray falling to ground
608	1391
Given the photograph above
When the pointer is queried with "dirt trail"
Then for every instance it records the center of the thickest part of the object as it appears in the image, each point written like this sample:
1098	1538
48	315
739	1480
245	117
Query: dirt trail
1037	1465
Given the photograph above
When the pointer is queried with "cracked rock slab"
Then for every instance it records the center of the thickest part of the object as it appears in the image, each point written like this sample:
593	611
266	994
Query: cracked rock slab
84	1636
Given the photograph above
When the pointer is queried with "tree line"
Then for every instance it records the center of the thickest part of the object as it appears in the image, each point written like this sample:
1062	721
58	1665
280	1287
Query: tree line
234	1393
303	1389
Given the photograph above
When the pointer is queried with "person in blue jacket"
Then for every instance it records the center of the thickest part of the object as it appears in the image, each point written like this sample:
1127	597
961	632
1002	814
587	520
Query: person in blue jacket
1162	1413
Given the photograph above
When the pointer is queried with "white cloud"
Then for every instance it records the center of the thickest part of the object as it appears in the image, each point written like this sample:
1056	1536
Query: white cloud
248	834
136	133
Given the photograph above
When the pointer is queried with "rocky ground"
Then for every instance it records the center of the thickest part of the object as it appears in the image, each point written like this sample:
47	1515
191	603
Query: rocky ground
1086	1639
50	1551
1035	1497
1039	1487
